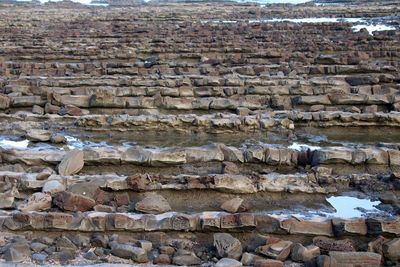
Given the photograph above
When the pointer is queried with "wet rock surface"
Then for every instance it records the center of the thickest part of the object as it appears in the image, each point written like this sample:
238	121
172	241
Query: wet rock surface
200	134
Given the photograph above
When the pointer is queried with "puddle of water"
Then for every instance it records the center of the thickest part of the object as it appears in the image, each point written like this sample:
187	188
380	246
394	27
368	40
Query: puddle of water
4	143
351	207
372	28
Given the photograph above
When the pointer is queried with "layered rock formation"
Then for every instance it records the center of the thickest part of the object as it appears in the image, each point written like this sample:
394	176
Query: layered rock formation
204	134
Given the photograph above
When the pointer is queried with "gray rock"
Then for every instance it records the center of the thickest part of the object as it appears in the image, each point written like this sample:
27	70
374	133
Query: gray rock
186	259
153	203
226	244
72	163
227	262
90	256
129	252
99	240
38	135
13	255
38	247
40	257
249	258
391	250
52	187
7	198
37	110
58	139
64	243
62	256
303	254
36	202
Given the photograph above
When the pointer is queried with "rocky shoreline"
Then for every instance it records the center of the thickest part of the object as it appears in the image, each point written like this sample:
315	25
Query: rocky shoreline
200	134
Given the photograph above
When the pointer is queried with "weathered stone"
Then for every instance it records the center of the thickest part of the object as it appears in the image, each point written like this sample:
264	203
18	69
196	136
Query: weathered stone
303	254
72	163
227	262
128	252
226	244
355	258
52	187
232	205
279	250
250	258
229	168
268	263
37	110
44	174
184	258
391	250
153	203
326	244
58	139
38	135
73	202
36	202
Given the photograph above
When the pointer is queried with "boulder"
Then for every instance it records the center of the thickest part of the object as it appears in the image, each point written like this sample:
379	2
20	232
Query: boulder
391	250
129	252
38	135
355	258
234	205
326	244
58	139
36	202
72	163
73	202
154	204
227	262
226	244
279	250
303	254
52	187
268	263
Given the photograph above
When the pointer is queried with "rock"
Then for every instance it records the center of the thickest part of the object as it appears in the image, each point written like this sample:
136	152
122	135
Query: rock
278	250
37	110
391	250
226	244
64	243
146	245
325	244
129	252
377	245
58	139
37	247
44	174
90	256
355	258
370	109
99	240
250	258
153	203
316	108
268	263
51	109
352	109
72	110
36	202
104	208
166	250
62	256
72	163
7	198
303	254
162	259
185	258
4	101
227	262
39	257
73	202
38	135
52	187
234	205
13	255
229	168
325	261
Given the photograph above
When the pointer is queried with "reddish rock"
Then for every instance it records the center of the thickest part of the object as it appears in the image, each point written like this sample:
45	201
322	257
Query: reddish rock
278	250
73	202
122	199
230	168
327	244
162	259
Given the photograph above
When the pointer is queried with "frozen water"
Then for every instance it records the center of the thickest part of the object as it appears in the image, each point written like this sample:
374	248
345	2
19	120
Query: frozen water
4	143
349	207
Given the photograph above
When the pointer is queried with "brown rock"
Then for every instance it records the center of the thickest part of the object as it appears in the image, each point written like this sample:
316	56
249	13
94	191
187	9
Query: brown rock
278	250
327	244
268	263
303	254
229	168
73	202
153	203
233	205
51	109
72	163
37	110
355	258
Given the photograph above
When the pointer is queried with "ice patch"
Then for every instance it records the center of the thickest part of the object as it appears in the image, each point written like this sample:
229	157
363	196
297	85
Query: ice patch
14	144
372	28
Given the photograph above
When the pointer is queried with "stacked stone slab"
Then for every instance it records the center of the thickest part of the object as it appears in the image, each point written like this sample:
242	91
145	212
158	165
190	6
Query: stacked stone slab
201	70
